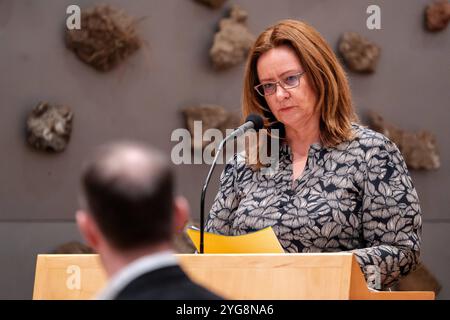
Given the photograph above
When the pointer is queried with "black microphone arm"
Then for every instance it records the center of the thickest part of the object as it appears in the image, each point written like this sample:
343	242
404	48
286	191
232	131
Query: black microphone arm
252	122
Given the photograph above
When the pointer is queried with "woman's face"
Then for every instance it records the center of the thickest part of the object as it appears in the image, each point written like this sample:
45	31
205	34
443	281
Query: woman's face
292	107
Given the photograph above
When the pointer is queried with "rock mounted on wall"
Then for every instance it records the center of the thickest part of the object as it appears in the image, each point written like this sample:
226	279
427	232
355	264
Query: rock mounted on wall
360	55
106	38
419	149
420	279
232	42
212	3
181	241
72	247
211	116
49	127
437	15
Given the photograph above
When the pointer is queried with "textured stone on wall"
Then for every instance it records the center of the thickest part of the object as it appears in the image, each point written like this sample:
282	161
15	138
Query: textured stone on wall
437	15
72	247
212	3
360	55
49	127
420	279
211	116
181	241
232	42
419	149
106	38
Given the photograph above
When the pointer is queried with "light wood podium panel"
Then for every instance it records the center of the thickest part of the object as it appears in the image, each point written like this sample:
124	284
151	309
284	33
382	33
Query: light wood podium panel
235	276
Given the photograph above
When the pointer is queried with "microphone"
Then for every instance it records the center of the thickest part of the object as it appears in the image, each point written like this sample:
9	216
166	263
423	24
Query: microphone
253	121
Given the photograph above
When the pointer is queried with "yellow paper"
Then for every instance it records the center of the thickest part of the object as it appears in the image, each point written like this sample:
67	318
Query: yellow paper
262	241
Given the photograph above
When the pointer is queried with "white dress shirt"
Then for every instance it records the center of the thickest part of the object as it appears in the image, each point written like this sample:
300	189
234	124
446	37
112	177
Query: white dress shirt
135	269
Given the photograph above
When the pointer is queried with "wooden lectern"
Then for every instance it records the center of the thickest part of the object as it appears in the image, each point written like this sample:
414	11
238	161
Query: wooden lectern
234	276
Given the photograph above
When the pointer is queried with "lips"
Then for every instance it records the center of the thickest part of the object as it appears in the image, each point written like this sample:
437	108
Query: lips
284	109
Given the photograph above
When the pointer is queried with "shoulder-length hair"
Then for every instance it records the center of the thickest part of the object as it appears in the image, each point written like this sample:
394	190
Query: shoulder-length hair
323	71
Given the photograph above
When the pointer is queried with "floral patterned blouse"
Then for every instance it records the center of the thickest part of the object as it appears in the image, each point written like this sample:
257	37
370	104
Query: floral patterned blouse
356	196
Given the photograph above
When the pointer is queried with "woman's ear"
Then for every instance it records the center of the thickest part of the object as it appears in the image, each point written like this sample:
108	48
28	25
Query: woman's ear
180	214
88	229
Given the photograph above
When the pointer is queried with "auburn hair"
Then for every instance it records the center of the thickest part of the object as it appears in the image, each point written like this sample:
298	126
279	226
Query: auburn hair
323	70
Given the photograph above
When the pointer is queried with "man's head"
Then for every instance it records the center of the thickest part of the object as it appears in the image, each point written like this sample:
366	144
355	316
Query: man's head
129	199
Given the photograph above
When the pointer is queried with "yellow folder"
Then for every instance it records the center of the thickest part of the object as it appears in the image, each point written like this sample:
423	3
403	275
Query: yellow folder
262	241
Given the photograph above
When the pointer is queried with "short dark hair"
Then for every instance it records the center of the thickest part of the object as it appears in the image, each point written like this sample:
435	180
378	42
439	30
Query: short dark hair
128	190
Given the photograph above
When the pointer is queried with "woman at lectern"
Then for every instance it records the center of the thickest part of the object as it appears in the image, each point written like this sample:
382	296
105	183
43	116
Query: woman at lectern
339	186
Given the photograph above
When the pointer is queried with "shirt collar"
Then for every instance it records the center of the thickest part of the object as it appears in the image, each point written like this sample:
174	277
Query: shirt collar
135	269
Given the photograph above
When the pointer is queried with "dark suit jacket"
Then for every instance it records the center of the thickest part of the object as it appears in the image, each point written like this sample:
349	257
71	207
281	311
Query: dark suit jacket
168	283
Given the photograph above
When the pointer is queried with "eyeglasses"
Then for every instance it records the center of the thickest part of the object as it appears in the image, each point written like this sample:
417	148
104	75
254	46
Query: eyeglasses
269	88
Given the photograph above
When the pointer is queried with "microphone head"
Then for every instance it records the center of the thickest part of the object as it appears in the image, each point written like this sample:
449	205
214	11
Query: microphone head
257	120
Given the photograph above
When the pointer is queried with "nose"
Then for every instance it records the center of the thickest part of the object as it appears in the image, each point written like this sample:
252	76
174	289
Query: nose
281	93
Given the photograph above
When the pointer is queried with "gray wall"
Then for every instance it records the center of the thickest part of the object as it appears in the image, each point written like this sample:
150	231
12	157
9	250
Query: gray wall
142	98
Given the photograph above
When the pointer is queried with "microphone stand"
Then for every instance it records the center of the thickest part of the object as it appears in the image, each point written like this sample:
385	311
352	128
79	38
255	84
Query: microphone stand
239	131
